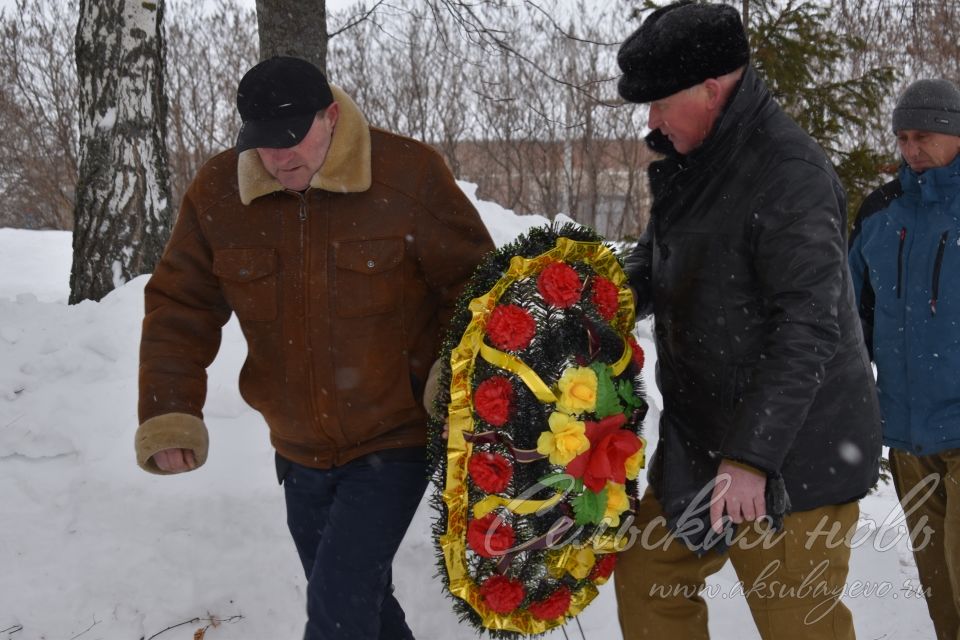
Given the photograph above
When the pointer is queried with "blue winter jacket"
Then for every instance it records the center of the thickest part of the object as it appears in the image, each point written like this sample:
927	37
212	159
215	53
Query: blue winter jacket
905	261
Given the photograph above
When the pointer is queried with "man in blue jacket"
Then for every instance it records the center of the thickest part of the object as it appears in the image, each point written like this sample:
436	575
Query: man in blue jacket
905	260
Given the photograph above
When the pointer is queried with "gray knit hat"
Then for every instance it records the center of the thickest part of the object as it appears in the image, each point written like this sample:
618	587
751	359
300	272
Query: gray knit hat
929	105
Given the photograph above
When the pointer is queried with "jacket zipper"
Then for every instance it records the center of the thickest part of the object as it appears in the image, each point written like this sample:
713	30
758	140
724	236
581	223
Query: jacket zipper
937	265
305	275
903	239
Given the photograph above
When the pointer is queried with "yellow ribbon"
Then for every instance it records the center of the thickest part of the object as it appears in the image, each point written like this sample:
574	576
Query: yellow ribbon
620	365
519	507
517	366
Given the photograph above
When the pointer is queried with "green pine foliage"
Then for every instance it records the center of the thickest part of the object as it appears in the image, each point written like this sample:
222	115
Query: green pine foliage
804	60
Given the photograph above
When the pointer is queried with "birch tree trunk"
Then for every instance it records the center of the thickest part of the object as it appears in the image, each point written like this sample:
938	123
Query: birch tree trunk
123	212
293	28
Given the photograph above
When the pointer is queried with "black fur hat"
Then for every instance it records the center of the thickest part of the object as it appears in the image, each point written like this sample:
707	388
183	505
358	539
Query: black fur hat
679	46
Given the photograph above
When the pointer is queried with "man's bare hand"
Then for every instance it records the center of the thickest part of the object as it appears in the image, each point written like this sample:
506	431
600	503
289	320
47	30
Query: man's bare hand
175	460
738	492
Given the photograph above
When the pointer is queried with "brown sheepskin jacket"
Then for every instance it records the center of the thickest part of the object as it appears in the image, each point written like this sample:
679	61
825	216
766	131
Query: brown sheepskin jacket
342	293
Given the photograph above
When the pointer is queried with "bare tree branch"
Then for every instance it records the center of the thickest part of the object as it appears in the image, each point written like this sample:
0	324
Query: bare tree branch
95	623
355	20
566	34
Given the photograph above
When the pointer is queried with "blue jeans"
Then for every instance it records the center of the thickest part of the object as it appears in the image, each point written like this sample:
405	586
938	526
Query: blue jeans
347	523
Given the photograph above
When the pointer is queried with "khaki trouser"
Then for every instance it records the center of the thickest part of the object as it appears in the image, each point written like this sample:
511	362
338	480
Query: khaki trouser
793	587
933	515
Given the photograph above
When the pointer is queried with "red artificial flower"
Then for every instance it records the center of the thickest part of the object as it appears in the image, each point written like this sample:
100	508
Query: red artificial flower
606	297
604	567
492	400
501	594
559	285
510	327
606	459
555	605
637	352
491	472
490	536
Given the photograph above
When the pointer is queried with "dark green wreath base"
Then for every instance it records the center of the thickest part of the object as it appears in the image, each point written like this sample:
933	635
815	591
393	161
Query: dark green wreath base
564	335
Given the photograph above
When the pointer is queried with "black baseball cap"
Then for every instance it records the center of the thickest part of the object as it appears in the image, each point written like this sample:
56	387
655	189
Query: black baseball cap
278	100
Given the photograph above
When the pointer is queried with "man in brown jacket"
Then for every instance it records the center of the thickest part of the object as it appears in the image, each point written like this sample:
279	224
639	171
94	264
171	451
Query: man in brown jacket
342	249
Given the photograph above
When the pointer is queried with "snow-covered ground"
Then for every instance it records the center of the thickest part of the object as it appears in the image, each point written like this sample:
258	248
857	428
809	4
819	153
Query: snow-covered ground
93	548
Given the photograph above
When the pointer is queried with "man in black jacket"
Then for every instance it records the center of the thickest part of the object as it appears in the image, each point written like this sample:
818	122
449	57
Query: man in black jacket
770	430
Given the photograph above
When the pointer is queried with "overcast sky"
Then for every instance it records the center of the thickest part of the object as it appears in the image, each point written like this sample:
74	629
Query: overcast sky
332	5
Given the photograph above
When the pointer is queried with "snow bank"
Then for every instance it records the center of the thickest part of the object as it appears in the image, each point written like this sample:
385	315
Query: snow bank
93	547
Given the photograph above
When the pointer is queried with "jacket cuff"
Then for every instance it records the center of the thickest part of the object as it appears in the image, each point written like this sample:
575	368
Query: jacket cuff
170	431
746	467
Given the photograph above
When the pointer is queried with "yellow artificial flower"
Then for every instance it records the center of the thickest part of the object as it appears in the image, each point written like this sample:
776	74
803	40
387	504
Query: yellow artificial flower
617	503
578	390
580	564
636	462
566	439
577	562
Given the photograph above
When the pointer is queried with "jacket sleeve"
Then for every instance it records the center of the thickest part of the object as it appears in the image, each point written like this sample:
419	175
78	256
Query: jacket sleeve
800	261
638	269
184	313
866	300
452	241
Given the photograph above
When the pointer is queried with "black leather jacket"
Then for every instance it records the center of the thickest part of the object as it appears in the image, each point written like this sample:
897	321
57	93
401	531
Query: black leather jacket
760	351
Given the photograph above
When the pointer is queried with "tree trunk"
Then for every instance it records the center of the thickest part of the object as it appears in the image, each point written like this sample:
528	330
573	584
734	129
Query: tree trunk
293	28
123	212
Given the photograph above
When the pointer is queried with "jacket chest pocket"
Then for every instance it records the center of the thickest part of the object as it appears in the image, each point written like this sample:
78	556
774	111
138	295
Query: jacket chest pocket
369	278
249	281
